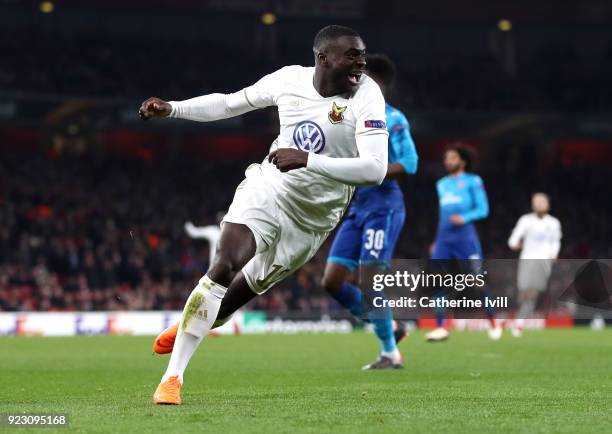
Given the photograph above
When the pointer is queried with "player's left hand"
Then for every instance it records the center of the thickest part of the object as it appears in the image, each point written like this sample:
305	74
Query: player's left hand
456	219
287	159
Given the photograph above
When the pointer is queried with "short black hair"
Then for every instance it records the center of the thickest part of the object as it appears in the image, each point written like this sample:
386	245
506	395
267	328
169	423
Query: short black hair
466	153
380	66
329	33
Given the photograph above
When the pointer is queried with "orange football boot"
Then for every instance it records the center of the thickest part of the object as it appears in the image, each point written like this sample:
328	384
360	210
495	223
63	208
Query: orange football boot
168	392
164	342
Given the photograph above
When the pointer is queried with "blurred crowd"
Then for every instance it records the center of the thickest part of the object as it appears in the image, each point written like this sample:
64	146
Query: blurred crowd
557	78
101	233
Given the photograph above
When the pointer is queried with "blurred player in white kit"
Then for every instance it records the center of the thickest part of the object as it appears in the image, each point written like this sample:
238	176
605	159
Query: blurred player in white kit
210	233
537	236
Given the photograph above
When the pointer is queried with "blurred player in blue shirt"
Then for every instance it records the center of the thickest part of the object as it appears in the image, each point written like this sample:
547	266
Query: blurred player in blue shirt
367	237
462	200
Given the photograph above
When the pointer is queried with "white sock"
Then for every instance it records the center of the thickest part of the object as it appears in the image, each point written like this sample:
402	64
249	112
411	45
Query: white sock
184	347
394	355
199	314
526	309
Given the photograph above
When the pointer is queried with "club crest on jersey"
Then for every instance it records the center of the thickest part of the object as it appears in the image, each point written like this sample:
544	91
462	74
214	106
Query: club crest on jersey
336	115
309	137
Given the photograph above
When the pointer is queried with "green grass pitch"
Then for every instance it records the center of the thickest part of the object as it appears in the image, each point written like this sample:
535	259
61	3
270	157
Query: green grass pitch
547	381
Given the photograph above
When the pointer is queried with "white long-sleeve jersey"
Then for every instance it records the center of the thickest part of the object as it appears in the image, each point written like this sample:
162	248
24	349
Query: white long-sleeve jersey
541	237
345	136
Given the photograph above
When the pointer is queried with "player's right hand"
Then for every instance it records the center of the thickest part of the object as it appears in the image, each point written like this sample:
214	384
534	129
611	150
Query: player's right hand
154	108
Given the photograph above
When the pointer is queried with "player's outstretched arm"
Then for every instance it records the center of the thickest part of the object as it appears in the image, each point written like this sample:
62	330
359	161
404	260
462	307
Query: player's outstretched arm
206	232
206	108
217	106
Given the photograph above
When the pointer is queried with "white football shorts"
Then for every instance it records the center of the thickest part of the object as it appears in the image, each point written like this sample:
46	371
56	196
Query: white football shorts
533	274
282	245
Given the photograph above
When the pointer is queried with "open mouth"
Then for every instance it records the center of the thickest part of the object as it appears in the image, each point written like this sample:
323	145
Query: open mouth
354	78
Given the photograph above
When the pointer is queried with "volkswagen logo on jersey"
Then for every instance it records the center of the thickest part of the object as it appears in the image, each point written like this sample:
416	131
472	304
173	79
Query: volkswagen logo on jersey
309	137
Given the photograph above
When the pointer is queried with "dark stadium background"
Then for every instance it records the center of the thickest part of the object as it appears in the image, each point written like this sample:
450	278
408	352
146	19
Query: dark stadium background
93	201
